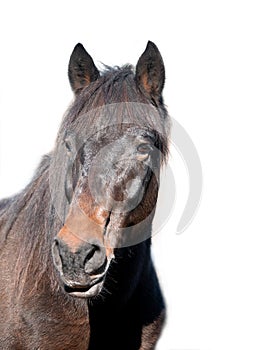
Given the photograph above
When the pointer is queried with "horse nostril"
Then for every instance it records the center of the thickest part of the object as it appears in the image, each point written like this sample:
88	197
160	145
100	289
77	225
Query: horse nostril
94	261
90	254
56	255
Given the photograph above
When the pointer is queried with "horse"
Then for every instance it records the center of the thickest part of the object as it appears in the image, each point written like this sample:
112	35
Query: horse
76	270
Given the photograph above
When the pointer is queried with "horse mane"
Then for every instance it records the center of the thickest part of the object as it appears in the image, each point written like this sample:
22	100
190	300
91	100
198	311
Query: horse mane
28	216
23	219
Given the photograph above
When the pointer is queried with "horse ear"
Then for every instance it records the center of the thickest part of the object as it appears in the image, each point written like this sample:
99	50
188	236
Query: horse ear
150	71
82	70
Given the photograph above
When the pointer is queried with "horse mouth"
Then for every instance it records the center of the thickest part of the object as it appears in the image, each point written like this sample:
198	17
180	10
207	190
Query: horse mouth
84	291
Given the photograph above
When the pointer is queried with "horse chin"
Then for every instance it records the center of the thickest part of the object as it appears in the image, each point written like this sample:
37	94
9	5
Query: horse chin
79	290
84	291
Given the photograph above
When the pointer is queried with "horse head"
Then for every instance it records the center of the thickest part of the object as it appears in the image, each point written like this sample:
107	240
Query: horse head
110	148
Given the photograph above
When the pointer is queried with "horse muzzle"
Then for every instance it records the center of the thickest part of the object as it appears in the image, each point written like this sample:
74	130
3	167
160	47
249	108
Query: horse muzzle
82	271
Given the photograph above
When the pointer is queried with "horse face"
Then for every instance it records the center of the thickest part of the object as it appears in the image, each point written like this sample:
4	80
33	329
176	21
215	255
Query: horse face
111	207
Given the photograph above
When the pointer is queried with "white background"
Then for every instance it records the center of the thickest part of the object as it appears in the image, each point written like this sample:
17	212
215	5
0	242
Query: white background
206	272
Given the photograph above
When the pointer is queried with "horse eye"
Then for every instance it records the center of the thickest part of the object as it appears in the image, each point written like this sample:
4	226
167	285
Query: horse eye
144	148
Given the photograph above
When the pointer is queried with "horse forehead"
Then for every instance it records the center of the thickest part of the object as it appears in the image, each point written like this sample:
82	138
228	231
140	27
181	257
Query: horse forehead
117	116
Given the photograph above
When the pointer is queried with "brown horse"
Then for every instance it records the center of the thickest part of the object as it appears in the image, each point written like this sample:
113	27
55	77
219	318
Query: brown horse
75	262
